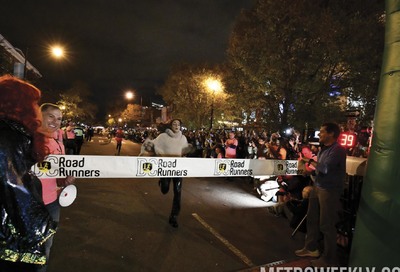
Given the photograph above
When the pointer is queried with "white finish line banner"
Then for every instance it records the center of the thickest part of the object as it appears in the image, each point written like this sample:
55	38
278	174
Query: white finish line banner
58	166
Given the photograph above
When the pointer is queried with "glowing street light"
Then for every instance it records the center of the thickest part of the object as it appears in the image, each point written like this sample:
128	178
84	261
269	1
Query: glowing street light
57	51
129	95
214	85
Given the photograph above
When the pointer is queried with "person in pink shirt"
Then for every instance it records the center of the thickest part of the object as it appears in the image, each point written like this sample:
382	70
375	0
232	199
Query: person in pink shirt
69	139
51	122
230	146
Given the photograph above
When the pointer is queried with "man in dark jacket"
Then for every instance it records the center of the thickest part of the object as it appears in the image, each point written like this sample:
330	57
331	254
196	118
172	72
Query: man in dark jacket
322	214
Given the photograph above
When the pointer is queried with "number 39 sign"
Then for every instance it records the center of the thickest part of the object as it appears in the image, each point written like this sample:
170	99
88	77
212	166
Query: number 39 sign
347	139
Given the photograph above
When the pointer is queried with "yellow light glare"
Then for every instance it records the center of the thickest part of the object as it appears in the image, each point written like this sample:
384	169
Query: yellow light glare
57	51
213	84
129	95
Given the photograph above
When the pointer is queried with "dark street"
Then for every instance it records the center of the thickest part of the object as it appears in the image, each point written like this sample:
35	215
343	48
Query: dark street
122	225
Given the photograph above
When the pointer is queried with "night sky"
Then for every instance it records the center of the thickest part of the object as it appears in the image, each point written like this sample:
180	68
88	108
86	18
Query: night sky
120	44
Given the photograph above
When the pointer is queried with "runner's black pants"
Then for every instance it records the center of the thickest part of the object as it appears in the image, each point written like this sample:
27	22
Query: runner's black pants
177	185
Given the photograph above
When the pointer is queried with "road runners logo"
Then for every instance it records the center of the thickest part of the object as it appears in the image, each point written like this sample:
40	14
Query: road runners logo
147	167
44	166
221	167
153	167
282	167
232	168
63	166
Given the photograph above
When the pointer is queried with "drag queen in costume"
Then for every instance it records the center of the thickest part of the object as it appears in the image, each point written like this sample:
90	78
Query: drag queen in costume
25	222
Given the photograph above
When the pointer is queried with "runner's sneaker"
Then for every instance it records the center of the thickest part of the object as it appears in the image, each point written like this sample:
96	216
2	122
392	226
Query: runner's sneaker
307	253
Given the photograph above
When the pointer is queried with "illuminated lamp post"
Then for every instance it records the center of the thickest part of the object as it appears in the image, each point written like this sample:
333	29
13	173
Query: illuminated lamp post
21	69
57	51
213	85
129	95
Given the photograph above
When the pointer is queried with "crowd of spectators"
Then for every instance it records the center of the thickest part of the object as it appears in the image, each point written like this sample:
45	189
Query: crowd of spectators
250	144
246	144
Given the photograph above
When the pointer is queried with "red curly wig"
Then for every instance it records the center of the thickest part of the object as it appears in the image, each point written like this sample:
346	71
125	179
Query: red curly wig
19	102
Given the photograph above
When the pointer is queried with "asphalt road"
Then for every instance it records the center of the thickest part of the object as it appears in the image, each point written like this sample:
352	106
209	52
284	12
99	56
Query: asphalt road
121	225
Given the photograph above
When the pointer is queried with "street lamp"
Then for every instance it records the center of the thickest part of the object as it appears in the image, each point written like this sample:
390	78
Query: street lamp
129	95
214	85
57	51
